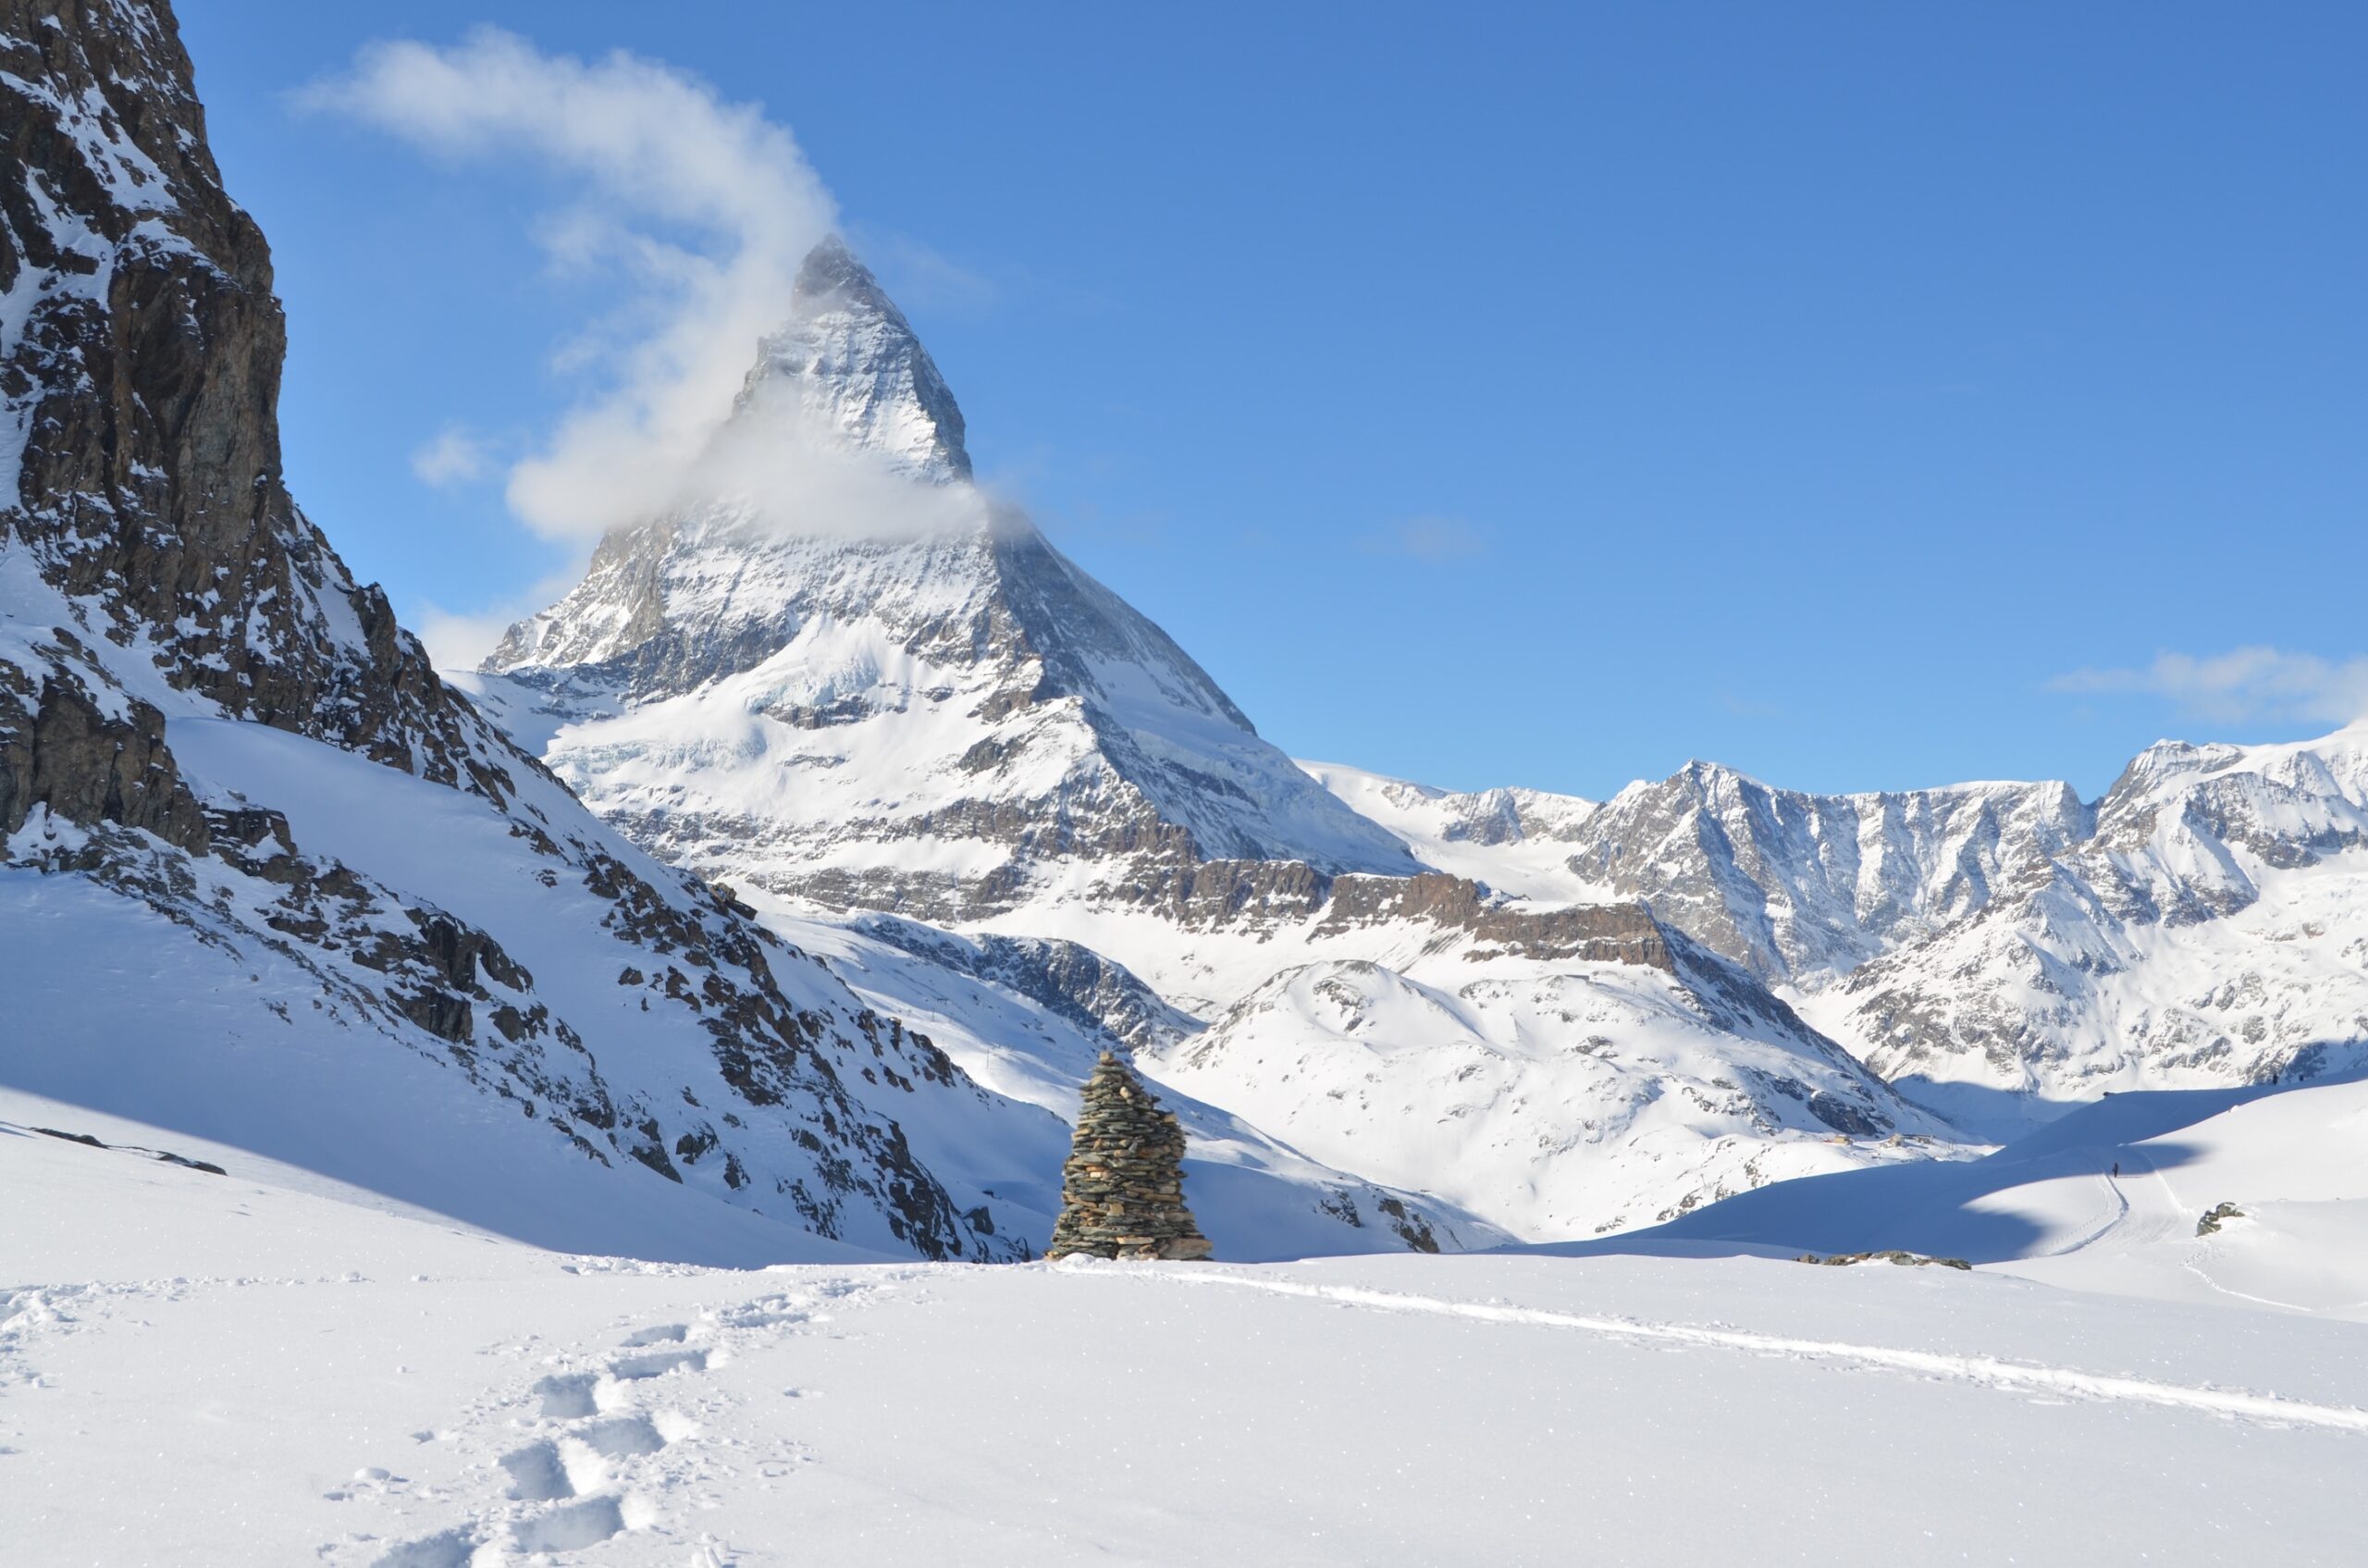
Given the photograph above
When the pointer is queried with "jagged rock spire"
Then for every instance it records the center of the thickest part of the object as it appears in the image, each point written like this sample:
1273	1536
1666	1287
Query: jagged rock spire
1122	1189
849	361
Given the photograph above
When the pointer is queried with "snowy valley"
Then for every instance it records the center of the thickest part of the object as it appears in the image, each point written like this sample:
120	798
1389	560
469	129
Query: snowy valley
610	1104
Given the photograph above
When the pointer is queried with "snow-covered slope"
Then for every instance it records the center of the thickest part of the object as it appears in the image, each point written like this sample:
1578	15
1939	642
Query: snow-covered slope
516	1037
2124	1196
305	1380
1517	841
1027	1018
1551	1096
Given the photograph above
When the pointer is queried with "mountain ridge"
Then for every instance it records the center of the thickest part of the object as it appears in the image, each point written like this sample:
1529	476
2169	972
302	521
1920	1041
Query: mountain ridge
860	719
1850	904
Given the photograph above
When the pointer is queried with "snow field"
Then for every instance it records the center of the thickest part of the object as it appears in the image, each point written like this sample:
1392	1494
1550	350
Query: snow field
244	1369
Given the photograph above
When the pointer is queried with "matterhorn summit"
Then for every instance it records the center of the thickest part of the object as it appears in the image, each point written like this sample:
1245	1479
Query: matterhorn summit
848	361
849	682
846	674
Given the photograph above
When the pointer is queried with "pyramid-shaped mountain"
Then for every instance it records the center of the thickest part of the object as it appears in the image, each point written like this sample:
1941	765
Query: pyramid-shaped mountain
841	675
849	673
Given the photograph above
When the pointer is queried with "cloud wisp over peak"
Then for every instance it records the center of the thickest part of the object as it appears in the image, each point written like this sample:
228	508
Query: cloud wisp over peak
704	207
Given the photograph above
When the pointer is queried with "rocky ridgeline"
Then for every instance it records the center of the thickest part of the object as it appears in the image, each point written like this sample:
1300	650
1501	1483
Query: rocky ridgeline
1122	1189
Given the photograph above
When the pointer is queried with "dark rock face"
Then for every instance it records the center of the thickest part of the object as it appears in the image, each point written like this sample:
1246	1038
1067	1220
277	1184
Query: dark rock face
145	379
154	570
1122	1189
840	312
86	766
1195	891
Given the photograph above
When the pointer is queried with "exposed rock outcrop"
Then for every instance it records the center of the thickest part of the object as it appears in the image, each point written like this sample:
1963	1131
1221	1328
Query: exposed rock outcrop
2215	1216
140	373
186	666
1889	1254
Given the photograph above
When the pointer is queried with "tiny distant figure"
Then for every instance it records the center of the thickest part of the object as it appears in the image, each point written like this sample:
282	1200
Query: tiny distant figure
2116	1170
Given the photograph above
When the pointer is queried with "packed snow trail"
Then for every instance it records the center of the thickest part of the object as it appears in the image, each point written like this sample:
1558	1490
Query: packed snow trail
1972	1369
2105	1224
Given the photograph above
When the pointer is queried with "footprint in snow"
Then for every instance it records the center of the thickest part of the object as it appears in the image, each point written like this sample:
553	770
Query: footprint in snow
661	1334
446	1548
583	1459
561	1488
576	1525
656	1363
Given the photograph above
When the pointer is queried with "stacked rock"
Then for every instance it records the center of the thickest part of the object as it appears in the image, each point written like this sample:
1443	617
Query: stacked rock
1122	1189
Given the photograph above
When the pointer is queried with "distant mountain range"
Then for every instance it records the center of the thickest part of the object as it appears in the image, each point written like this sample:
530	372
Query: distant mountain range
929	714
897	816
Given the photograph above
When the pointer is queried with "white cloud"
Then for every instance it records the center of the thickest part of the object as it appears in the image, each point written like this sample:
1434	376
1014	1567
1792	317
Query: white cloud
460	640
704	207
2243	683
454	457
1429	539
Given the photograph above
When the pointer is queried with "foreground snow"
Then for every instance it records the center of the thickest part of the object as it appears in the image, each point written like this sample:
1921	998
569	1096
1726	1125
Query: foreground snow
257	1368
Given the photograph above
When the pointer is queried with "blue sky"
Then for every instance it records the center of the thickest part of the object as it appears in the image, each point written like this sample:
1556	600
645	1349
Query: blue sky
1864	396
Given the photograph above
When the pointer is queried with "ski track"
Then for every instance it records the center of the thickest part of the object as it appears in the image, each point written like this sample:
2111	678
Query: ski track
2104	1226
1982	1370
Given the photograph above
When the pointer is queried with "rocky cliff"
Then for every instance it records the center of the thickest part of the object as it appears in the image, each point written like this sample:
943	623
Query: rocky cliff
228	773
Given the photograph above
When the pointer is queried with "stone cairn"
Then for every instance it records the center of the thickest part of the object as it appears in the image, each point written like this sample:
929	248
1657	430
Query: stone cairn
1122	1189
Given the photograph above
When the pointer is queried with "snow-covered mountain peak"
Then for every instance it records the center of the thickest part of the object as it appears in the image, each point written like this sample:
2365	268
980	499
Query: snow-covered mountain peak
2335	766
832	615
847	363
